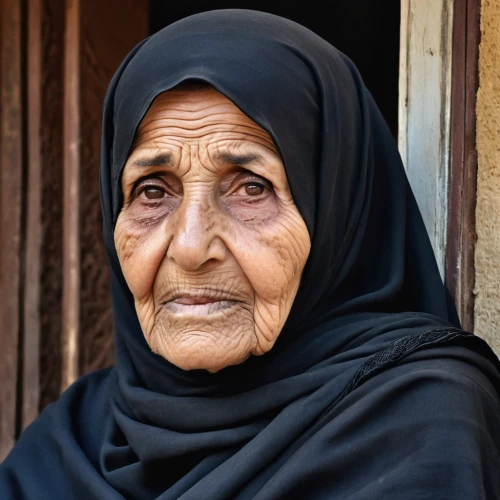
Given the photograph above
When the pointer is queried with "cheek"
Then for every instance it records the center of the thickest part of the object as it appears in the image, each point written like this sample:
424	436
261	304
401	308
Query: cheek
140	252
273	256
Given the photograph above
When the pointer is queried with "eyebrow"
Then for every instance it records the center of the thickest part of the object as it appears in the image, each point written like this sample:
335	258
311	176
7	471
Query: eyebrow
239	160
166	160
161	160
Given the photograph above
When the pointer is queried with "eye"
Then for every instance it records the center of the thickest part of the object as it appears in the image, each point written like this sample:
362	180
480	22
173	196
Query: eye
252	188
152	189
153	192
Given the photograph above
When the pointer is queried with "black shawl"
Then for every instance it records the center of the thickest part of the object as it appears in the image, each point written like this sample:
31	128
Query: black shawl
372	389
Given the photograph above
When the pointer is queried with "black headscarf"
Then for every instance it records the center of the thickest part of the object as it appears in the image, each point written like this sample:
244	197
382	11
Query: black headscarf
371	391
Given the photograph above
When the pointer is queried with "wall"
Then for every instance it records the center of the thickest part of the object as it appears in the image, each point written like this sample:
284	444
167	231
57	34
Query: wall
487	289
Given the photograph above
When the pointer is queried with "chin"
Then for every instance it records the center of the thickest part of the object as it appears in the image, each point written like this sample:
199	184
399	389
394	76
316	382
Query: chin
202	356
209	363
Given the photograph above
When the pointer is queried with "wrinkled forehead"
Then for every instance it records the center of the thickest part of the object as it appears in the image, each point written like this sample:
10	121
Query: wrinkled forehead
194	112
193	124
262	94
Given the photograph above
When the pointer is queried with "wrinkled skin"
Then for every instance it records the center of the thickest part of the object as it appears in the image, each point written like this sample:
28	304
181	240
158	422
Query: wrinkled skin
209	238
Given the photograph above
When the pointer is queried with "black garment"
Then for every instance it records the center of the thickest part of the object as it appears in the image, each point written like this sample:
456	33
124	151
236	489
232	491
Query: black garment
371	390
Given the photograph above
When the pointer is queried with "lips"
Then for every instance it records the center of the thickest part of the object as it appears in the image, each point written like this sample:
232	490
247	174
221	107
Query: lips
200	305
194	301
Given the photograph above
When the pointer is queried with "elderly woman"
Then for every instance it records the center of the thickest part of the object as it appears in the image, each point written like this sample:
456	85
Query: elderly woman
281	327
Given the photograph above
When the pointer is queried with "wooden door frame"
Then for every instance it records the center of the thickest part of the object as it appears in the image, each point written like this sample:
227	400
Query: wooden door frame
424	110
461	237
12	179
437	132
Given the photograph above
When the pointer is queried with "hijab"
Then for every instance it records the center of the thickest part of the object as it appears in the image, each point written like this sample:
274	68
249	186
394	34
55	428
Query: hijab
372	388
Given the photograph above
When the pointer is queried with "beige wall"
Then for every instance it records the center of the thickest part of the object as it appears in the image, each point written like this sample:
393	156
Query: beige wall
487	313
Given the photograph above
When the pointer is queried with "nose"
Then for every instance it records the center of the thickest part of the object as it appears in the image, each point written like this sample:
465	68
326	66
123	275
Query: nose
195	240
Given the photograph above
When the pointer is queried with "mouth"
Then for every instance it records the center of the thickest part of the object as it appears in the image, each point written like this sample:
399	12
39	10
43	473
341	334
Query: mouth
198	305
188	300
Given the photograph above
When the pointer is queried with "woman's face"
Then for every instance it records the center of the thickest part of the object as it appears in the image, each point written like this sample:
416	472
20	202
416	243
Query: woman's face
209	238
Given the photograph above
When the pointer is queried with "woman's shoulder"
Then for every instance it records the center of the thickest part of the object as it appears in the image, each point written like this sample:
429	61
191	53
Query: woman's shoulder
67	431
451	377
427	427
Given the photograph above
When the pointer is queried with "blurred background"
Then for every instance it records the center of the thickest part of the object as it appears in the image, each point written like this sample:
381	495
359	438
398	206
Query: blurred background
57	58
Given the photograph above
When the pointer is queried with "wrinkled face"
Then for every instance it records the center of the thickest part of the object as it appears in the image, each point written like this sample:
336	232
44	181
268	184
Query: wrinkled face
209	239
